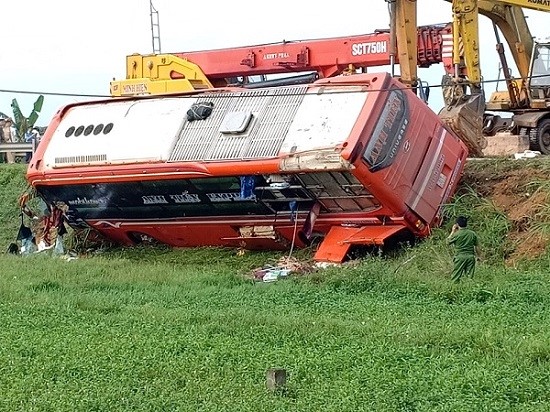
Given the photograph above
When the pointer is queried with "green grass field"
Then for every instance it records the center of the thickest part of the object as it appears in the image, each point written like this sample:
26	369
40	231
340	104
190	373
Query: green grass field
155	329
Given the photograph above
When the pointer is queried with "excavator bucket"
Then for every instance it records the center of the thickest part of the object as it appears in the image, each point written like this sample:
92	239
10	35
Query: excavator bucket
463	113
465	118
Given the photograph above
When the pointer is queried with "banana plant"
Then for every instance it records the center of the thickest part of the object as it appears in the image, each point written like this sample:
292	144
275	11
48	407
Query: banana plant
23	123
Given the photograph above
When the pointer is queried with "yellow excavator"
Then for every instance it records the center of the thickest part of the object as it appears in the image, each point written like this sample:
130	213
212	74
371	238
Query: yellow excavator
527	97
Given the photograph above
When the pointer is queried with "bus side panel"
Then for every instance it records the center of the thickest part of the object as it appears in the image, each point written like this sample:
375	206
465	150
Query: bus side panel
443	160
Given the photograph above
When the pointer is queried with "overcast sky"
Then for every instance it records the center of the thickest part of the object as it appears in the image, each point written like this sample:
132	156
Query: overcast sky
78	47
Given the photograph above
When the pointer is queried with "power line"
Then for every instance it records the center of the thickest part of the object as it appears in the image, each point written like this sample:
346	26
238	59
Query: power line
53	93
464	82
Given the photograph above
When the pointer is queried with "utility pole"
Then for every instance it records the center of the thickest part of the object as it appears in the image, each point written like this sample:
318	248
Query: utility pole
155	28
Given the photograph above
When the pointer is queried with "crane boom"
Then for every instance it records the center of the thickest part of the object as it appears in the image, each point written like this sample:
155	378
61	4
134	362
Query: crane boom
176	72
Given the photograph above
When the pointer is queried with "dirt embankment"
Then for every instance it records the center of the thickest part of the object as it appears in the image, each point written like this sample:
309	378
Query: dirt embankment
521	190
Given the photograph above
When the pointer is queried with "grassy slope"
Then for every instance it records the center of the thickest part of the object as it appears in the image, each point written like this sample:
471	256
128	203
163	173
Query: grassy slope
13	184
159	330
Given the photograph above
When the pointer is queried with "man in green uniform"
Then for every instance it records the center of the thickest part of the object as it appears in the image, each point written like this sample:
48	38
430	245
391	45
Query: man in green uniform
465	242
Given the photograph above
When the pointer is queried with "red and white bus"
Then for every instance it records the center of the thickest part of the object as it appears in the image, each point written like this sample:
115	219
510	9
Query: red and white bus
348	160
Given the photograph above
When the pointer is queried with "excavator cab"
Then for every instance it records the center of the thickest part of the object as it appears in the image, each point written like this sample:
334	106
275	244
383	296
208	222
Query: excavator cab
539	82
539	95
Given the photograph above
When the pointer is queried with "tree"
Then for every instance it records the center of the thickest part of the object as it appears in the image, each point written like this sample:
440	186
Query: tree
23	123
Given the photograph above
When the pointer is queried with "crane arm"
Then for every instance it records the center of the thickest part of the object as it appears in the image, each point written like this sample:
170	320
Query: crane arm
418	46
328	57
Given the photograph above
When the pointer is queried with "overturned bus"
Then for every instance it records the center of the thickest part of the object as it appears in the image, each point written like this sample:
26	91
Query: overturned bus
344	161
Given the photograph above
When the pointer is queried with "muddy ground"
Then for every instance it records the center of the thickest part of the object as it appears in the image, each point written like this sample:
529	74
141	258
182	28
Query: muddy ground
520	189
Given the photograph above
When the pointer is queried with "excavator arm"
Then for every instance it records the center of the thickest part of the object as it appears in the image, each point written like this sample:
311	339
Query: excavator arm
463	92
466	42
509	17
403	23
541	5
513	24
